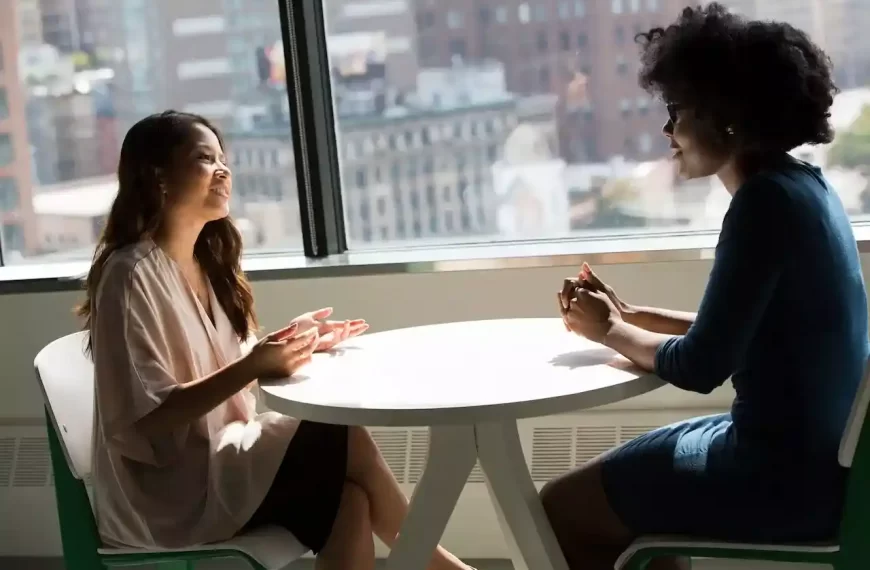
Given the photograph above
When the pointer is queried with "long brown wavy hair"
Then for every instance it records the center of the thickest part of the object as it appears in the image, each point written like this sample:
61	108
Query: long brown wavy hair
149	148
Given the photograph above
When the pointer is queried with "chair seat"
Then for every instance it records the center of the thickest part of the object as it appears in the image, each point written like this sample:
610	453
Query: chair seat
686	543
273	547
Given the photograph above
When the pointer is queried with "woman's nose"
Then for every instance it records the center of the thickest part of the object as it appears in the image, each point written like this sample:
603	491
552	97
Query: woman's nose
668	128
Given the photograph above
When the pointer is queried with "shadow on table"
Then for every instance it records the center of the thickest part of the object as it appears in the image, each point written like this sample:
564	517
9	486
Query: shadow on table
299	377
340	351
586	358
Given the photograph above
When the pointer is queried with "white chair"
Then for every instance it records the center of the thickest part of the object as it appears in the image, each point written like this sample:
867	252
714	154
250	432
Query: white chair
66	377
849	551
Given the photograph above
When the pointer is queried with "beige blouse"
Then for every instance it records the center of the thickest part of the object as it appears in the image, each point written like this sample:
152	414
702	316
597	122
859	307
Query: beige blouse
200	483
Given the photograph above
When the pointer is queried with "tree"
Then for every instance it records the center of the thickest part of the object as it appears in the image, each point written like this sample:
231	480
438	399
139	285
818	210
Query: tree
851	148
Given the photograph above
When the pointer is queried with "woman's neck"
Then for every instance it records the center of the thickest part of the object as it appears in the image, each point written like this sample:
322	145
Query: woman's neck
739	169
178	241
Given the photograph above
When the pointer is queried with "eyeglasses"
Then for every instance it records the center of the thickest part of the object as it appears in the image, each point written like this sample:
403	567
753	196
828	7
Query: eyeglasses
673	109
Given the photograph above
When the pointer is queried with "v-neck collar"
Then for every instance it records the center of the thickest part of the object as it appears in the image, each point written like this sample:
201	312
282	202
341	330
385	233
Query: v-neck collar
216	329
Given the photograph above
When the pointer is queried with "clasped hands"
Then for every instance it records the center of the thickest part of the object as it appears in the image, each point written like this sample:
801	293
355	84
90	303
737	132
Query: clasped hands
588	306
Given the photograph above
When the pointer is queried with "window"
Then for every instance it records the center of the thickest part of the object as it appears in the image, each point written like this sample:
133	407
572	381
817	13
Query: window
8	194
13	240
485	15
621	65
67	179
435	152
644	143
454	20
7	155
544	78
524	13
542	41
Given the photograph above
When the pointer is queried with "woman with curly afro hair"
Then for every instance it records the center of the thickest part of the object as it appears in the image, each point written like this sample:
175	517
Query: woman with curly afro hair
784	314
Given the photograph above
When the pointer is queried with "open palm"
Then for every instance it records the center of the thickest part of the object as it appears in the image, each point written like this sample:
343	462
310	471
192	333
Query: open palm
332	333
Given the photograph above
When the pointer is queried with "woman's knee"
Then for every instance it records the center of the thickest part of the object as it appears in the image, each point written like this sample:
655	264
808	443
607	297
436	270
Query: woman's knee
362	451
577	507
354	502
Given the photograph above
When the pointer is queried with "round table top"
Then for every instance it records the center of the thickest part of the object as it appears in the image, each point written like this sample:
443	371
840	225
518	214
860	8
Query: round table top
458	373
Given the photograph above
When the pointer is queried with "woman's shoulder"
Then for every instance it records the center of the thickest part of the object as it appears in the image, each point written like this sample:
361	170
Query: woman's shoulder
128	265
788	187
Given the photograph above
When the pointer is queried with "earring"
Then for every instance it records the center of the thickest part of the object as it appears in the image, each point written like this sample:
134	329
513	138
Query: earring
729	130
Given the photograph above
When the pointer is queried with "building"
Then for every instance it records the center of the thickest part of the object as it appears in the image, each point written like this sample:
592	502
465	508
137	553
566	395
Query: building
392	18
580	50
837	26
60	24
96	29
425	169
29	22
16	212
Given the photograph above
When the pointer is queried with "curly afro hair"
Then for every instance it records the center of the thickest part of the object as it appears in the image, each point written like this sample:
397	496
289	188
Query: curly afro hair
766	82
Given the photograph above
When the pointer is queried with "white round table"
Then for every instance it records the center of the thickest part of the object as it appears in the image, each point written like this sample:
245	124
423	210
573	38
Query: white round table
470	382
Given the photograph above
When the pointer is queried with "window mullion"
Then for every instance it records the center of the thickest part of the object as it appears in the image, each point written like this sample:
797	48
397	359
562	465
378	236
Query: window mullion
313	127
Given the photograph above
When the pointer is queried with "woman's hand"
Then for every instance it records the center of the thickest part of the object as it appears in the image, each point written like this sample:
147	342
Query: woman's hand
281	353
331	333
587	279
590	314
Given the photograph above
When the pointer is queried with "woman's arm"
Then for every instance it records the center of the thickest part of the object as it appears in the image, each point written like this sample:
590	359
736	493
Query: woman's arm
276	355
753	249
752	252
663	321
195	399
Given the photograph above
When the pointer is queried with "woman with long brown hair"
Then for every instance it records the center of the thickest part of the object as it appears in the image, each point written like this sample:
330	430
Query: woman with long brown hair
181	456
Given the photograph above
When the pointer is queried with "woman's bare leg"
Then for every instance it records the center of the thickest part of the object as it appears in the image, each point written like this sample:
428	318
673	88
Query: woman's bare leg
350	545
591	534
389	506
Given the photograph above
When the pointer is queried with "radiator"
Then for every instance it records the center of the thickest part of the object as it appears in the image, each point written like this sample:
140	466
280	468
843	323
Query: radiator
553	445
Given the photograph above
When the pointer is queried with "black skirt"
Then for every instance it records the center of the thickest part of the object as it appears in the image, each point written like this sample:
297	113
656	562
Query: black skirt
306	492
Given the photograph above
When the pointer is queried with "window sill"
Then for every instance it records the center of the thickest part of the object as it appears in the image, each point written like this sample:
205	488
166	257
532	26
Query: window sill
439	257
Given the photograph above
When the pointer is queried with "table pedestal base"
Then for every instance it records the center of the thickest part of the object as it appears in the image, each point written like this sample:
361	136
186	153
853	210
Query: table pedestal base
453	451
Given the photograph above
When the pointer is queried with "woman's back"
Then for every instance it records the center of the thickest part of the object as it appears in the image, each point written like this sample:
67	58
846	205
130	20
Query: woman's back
809	351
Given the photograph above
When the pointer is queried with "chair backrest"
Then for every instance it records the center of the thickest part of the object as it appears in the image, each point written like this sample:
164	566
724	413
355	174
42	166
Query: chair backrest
66	377
855	454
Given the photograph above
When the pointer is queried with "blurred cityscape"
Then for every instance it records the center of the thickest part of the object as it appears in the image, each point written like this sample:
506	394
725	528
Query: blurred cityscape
457	120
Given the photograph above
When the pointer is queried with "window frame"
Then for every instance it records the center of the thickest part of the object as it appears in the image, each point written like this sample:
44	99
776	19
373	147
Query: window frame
315	141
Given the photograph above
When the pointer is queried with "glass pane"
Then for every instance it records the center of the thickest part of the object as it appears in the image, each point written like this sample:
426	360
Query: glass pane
519	124
74	76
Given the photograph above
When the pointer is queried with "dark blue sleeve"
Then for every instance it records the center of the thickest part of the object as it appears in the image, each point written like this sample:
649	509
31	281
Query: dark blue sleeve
750	257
